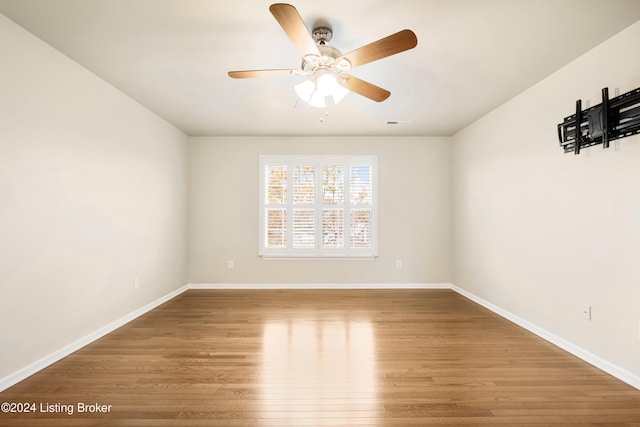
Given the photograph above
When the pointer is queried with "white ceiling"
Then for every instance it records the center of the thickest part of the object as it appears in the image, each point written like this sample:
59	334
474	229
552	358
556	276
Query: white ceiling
173	56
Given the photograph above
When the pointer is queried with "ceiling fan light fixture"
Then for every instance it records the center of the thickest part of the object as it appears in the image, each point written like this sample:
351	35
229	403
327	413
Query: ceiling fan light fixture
321	85
315	93
319	59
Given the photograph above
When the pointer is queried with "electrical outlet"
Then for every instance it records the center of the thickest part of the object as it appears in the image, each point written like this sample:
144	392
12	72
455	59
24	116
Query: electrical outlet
639	329
398	263
136	282
586	312
230	265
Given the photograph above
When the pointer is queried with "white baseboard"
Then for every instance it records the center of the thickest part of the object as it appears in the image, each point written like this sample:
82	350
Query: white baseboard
320	286
588	357
608	367
50	359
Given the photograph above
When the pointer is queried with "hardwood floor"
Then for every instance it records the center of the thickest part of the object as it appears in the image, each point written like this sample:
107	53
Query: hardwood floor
323	358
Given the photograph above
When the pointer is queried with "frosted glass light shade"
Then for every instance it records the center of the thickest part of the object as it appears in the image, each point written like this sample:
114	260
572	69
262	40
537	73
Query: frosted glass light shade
317	100
305	90
327	83
339	92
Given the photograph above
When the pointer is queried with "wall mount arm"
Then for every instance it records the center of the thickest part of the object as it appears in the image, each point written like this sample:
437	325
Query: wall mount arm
613	119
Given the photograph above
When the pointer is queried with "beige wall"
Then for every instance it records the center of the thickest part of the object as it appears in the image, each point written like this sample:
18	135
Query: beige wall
92	194
414	188
541	233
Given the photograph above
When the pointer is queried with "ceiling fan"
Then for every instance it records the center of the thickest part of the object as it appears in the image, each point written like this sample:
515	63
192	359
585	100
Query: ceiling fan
325	65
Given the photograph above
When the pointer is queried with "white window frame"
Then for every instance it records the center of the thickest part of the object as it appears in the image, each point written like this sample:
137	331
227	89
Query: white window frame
318	251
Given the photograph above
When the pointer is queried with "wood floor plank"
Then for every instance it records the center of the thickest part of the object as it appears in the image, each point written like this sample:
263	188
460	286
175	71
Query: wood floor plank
266	358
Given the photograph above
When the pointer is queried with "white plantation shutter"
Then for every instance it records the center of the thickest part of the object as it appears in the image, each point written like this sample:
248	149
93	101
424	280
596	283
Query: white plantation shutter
304	228
333	206
361	196
275	195
276	181
360	178
318	206
333	228
360	228
333	184
276	228
304	182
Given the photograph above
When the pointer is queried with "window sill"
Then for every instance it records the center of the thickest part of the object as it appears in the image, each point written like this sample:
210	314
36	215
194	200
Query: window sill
318	257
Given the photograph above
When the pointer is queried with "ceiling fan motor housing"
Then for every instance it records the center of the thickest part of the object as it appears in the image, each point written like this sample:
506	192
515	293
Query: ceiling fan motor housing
330	59
322	35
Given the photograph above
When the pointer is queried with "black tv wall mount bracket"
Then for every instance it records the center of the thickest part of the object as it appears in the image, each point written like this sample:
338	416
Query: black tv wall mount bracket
613	119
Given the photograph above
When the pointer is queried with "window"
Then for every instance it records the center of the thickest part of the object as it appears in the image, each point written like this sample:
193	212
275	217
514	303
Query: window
318	206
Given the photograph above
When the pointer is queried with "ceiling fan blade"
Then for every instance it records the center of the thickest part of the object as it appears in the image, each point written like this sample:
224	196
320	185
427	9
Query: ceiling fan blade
365	89
390	45
292	24
249	74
